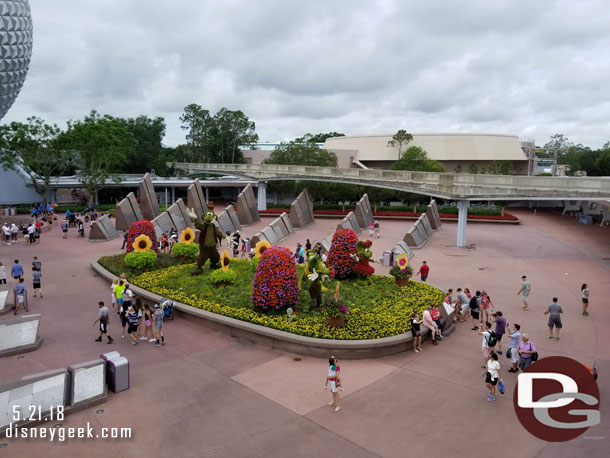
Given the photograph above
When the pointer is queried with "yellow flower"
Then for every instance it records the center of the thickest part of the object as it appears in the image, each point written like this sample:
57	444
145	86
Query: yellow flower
187	235
260	248
142	243
225	260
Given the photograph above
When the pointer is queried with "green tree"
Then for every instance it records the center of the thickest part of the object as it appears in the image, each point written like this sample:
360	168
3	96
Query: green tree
148	153
293	153
459	168
198	123
230	131
33	148
557	142
416	159
317	138
501	168
602	162
99	146
400	140
473	169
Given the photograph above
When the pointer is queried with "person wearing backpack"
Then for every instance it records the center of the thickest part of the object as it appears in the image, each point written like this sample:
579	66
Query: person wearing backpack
489	341
474	305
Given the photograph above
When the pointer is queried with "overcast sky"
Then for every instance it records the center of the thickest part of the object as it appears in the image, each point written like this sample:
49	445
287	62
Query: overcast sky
530	68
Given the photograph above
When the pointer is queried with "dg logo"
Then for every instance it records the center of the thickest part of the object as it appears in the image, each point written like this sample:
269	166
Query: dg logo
557	399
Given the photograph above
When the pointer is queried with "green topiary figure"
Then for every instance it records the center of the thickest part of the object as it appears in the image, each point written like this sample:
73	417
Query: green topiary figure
210	234
313	275
364	255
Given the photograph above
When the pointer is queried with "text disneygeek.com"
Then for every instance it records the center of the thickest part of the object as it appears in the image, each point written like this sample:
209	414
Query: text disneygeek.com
60	433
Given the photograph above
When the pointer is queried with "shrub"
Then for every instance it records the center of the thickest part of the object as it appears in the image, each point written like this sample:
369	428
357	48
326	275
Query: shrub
141	259
405	272
141	227
223	276
275	280
340	259
185	250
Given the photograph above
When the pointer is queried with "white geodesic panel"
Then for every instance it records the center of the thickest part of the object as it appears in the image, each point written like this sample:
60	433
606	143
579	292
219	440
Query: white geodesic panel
15	49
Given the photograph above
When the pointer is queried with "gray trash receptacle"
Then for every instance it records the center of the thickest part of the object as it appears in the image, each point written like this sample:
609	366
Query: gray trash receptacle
117	371
110	355
118	374
388	258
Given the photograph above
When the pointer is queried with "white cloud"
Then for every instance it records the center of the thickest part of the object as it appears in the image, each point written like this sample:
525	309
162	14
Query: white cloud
522	67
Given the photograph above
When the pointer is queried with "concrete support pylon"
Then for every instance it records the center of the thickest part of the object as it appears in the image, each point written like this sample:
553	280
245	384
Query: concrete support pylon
462	220
262	195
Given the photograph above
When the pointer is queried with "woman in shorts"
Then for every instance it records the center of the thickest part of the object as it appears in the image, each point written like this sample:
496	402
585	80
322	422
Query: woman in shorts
492	375
416	331
132	320
584	291
331	379
485	307
148	330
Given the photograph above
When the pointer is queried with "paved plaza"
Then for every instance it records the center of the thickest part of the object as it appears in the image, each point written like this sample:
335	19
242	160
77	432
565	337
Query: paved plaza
206	394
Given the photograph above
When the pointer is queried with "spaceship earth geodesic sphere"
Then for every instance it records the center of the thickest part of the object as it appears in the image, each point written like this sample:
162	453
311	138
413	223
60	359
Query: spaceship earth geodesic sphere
15	49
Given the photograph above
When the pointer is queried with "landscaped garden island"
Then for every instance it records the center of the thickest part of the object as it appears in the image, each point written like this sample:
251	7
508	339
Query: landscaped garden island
339	300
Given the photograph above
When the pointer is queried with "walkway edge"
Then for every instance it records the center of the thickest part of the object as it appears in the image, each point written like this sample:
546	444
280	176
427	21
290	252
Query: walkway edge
281	340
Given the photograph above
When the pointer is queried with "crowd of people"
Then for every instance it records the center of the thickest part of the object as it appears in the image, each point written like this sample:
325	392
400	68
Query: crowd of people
139	320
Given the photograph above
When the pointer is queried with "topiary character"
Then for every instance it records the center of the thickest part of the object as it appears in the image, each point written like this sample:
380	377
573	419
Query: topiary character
364	255
313	275
340	256
208	238
276	283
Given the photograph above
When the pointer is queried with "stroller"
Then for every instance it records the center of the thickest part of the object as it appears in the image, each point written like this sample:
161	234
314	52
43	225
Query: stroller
167	305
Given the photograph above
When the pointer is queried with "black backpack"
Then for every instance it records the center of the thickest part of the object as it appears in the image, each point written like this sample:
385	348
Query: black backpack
36	266
474	303
492	340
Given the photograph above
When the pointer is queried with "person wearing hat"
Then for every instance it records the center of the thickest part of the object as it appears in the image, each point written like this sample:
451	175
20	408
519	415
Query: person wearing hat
208	238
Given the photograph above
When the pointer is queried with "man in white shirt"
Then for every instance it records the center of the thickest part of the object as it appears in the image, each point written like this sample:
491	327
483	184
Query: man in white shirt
14	232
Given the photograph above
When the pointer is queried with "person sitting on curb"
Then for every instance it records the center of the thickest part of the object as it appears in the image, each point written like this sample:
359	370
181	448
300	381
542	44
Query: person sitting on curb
429	323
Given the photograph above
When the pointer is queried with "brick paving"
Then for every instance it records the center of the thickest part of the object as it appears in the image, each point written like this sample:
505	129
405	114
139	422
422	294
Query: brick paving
206	394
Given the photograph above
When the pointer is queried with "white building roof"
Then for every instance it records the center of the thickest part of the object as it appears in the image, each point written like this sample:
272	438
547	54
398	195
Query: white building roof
440	147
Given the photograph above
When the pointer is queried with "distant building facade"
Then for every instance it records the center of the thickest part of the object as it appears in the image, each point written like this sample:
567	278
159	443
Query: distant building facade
464	152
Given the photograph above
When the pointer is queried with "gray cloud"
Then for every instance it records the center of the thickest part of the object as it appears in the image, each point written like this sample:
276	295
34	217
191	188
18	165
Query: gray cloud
521	67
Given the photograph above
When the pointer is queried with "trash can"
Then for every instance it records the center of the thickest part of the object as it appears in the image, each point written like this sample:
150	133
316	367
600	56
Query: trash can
117	371
388	258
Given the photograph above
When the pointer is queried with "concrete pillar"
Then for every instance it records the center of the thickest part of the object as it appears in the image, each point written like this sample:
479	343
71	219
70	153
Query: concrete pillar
173	195
95	201
166	206
462	219
262	195
207	194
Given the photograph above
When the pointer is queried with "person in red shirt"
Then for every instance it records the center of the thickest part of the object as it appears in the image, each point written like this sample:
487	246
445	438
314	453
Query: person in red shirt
423	270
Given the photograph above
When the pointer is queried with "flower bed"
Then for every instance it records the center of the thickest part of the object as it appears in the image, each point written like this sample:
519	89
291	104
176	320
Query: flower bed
378	308
389	213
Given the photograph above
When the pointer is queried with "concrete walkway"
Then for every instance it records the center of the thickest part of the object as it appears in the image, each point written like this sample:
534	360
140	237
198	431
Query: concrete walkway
206	394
